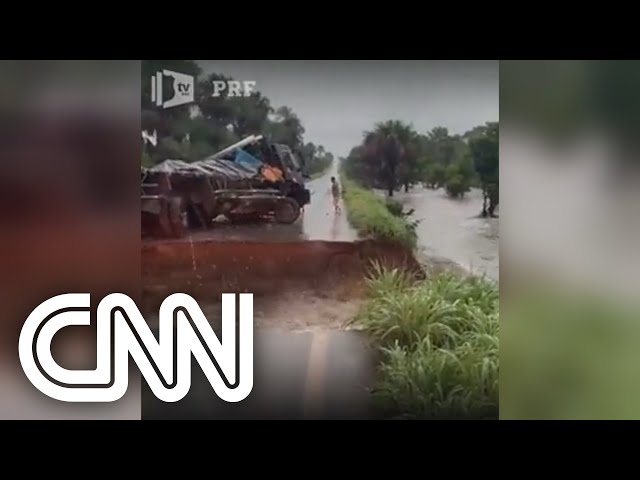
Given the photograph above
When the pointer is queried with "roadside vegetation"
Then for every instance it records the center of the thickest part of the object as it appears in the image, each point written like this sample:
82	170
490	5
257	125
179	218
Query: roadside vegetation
437	337
373	216
438	342
394	156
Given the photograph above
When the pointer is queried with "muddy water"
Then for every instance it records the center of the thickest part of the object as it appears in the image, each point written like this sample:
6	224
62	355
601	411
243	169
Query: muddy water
452	230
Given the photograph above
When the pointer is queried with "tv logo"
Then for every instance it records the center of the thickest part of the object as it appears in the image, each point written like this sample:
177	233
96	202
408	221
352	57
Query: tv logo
183	88
227	364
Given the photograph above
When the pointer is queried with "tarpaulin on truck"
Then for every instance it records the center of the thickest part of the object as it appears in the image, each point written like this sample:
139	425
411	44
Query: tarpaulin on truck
216	168
243	171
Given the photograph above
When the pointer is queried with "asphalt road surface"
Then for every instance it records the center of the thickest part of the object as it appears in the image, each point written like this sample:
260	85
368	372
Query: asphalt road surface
320	222
307	375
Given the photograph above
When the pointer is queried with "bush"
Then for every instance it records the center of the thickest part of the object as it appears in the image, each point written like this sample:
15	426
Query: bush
459	177
457	186
434	175
394	207
439	344
369	215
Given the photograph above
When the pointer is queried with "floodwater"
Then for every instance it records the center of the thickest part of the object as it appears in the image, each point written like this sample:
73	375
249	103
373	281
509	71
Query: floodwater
452	229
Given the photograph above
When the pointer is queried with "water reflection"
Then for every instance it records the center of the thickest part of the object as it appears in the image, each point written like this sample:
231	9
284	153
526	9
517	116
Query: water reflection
335	226
454	230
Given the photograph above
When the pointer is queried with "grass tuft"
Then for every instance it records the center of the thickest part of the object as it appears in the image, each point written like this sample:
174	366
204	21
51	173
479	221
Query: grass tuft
439	344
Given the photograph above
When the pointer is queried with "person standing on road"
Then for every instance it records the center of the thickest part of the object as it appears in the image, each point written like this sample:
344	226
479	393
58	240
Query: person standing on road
335	193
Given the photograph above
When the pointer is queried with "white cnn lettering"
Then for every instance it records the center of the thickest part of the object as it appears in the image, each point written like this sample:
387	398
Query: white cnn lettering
231	379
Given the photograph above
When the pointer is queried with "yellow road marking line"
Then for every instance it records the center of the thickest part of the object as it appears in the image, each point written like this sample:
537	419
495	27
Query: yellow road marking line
316	370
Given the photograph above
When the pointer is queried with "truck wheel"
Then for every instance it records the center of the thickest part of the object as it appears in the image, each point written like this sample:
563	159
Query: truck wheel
287	211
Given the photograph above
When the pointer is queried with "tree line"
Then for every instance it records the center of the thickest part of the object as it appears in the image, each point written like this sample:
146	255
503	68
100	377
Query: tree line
394	156
195	131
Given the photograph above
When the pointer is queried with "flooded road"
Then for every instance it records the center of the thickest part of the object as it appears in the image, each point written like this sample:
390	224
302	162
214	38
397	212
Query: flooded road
451	229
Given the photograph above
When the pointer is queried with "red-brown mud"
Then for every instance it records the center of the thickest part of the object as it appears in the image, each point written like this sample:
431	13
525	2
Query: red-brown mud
295	270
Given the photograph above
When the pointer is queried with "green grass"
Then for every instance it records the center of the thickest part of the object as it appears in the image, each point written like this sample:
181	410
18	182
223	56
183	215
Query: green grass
438	340
370	215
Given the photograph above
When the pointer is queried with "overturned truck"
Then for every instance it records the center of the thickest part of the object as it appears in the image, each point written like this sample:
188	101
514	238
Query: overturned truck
251	180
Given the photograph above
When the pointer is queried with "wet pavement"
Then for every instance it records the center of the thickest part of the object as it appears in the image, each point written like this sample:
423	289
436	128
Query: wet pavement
308	375
320	221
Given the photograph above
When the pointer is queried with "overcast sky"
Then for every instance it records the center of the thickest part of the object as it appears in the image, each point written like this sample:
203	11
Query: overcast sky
337	100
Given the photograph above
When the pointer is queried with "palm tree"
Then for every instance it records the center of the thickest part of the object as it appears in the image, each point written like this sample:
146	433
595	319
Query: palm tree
391	151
